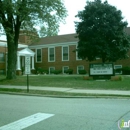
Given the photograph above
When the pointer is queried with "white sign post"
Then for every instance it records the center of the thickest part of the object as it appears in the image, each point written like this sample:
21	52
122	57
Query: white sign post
27	70
27	65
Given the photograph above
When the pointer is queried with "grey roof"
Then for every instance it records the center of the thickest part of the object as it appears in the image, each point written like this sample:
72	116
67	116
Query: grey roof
56	39
62	38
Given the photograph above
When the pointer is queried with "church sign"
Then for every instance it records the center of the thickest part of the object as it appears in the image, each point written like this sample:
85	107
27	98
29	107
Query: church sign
101	70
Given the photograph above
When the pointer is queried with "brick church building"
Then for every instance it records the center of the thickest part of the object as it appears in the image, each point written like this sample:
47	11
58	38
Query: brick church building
51	53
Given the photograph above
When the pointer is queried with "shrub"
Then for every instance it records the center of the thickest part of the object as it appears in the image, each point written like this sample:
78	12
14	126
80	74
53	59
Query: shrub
118	70
46	71
69	71
40	70
57	71
126	70
82	71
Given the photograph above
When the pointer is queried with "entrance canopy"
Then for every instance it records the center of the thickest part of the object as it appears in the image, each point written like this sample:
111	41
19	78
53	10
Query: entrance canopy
26	52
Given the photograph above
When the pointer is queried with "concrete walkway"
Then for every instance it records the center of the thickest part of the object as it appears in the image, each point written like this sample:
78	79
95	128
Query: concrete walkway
71	90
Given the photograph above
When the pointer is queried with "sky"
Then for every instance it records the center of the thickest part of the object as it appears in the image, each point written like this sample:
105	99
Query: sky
73	6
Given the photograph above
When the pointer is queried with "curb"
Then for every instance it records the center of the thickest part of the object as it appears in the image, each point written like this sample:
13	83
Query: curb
59	96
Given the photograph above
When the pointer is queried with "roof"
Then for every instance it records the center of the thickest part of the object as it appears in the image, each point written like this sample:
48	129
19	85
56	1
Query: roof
62	39
56	39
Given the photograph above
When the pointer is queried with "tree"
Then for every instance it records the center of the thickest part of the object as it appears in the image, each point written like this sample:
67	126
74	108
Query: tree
101	32
28	14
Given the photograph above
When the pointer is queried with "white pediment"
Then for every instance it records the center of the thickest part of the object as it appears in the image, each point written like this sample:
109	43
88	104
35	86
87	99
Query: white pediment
26	52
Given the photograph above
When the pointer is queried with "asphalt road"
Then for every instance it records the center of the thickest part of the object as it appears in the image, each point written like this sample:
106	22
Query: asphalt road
69	113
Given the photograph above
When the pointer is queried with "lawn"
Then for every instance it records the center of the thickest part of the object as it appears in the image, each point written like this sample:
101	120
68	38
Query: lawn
69	81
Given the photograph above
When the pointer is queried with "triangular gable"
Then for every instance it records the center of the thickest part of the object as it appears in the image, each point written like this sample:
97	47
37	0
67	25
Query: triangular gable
25	52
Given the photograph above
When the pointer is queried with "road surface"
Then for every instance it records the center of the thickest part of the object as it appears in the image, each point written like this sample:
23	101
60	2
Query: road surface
64	113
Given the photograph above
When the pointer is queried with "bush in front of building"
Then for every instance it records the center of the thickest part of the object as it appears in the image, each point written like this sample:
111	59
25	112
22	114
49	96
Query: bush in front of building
69	71
82	71
40	70
126	70
57	71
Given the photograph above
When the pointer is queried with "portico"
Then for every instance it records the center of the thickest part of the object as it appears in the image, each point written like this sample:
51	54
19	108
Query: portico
21	58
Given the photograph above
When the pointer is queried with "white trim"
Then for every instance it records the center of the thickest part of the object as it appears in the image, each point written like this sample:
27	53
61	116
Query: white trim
62	53
79	66
63	68
51	67
49	54
53	44
36	55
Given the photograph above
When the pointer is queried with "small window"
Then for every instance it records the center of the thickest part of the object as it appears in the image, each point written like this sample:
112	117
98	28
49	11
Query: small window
51	54
39	55
2	57
51	70
65	68
80	68
65	53
118	69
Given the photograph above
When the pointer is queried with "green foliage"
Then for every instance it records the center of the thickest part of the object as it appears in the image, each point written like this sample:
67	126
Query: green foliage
27	15
82	71
46	14
69	71
40	70
126	70
101	32
55	71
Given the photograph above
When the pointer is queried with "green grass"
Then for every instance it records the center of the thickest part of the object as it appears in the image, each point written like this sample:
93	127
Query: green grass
68	82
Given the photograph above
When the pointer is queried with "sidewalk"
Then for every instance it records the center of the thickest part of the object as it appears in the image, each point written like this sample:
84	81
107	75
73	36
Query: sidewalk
71	90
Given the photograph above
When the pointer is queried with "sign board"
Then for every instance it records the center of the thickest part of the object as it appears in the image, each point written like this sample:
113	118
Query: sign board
27	65
27	69
98	69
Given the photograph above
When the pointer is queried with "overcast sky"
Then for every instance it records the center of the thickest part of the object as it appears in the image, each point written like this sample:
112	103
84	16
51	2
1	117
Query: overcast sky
73	6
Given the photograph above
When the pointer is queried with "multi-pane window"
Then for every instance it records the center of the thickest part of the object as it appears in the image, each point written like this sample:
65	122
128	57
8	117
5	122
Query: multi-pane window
80	68
65	68
51	69
65	53
1	57
39	55
51	54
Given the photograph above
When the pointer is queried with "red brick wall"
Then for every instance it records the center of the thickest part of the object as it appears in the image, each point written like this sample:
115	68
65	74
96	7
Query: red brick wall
3	64
72	63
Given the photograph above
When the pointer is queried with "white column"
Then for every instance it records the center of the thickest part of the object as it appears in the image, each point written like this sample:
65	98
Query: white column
33	63
18	63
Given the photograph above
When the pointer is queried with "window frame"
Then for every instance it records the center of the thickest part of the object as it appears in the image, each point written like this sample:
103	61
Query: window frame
37	56
63	69
49	54
63	53
51	67
78	69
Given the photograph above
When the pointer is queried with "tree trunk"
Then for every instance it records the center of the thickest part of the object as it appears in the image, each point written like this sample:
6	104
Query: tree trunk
12	57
